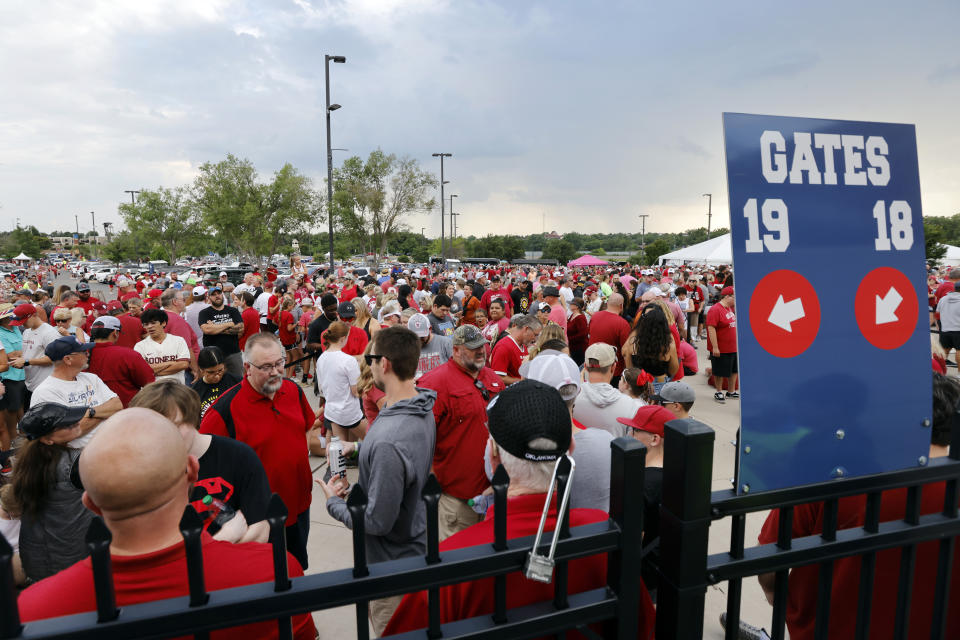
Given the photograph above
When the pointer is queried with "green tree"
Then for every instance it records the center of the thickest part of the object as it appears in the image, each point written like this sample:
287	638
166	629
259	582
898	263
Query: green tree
23	240
655	249
933	235
560	250
164	217
512	248
254	215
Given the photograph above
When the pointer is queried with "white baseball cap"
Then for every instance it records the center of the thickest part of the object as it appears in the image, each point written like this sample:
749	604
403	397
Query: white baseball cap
419	324
557	370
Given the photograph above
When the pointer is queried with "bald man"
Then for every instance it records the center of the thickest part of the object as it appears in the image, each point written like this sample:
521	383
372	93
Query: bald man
137	476
609	326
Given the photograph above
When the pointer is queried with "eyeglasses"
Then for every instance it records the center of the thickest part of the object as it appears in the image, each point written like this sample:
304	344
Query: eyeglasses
482	389
64	320
370	358
267	368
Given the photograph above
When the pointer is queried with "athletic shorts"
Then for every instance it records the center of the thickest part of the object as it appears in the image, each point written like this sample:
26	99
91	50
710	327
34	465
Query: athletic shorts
289	347
724	365
950	340
15	395
326	423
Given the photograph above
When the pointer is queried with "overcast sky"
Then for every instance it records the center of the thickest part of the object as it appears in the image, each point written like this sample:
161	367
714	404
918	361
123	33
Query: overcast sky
582	114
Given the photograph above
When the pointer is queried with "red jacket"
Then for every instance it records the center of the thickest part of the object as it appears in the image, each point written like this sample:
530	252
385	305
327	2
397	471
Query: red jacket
460	412
611	329
471	599
121	368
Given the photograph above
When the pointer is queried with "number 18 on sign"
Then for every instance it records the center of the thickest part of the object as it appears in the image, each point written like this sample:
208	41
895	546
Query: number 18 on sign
830	284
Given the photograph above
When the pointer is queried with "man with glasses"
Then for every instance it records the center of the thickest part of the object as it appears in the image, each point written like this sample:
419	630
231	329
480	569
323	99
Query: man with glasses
508	353
222	326
69	385
464	386
402	445
272	415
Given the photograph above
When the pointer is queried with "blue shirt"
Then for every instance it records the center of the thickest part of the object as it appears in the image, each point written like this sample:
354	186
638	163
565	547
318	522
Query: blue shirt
12	341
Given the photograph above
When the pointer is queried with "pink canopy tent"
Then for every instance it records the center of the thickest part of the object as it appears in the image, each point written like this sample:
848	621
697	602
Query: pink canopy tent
587	261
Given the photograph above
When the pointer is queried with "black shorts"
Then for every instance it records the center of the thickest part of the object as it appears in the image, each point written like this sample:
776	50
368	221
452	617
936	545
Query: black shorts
950	340
724	365
326	423
290	347
14	396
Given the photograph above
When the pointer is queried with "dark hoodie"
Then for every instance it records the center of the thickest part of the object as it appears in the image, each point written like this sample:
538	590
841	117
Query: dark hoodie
395	461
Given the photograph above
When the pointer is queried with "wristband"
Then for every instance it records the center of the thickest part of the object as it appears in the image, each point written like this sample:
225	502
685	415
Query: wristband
356	449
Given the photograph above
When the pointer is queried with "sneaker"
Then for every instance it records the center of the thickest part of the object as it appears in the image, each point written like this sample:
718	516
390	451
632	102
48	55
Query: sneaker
734	394
747	631
303	379
718	396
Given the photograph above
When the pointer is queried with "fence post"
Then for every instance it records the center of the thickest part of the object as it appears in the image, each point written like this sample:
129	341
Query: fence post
98	542
431	499
277	518
357	504
10	626
684	528
628	457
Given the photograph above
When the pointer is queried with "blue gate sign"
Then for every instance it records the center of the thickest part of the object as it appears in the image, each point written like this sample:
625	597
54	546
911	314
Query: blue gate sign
830	290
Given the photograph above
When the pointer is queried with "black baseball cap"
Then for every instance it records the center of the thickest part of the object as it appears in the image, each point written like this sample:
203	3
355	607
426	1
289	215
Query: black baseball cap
47	417
64	346
347	310
83	286
526	411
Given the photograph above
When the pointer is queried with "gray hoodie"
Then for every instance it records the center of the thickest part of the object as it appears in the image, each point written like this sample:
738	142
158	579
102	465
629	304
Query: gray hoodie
395	461
949	310
599	405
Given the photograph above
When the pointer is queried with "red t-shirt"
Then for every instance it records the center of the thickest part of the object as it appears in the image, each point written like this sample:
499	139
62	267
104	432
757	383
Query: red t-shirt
472	599
802	599
506	358
497	294
460	412
349	293
131	331
288	336
163	574
610	328
275	429
356	341
943	289
251	324
121	368
273	301
725	322
370	408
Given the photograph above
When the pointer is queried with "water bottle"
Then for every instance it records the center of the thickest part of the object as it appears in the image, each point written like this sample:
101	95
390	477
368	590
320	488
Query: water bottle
219	513
338	465
481	503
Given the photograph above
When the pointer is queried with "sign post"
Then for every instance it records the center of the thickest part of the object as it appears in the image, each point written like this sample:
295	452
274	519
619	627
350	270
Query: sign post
829	256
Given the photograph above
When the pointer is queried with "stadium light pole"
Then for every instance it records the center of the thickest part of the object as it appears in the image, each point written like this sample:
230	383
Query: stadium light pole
709	197
453	221
643	233
330	108
443	214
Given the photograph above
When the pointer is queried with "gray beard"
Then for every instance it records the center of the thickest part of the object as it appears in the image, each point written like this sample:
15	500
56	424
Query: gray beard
272	385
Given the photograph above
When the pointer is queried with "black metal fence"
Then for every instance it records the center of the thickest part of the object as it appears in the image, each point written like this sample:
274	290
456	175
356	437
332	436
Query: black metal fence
614	606
689	507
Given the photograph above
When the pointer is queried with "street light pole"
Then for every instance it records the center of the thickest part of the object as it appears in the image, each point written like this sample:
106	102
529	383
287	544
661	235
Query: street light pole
453	222
709	197
330	107
643	233
443	232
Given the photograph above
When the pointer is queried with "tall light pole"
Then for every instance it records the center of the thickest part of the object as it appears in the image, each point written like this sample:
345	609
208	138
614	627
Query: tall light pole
455	216
93	218
452	219
709	197
643	233
443	214
330	108
131	192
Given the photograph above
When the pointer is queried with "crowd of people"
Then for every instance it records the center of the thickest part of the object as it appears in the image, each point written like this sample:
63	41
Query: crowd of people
412	371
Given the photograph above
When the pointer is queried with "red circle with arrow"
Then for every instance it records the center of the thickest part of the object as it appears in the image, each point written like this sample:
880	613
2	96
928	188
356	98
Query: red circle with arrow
886	308
784	313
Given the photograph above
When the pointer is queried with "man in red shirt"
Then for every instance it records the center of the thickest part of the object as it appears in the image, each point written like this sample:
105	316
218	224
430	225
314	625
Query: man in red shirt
131	331
68	300
509	351
947	286
610	328
137	476
272	415
722	334
526	413
86	302
808	521
495	291
121	368
464	387
249	315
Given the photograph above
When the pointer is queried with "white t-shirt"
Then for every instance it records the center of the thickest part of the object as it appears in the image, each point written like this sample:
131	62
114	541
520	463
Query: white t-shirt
88	390
262	304
336	373
34	342
172	348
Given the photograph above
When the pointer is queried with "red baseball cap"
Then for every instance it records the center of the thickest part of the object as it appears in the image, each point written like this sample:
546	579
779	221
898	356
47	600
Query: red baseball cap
726	291
649	418
22	312
114	305
154	293
129	296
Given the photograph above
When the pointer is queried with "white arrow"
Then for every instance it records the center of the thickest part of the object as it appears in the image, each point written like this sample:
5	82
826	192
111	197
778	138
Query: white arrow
786	312
887	306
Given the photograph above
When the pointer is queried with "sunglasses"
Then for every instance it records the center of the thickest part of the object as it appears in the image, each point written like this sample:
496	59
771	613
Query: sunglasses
369	358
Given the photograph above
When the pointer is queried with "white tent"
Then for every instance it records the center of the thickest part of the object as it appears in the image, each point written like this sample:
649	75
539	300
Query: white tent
714	251
23	258
952	257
